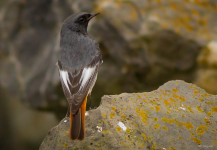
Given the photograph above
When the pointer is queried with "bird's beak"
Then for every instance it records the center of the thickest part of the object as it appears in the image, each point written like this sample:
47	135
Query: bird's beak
93	15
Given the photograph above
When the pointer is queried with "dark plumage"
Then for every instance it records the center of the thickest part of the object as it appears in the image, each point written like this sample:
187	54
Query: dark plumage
78	64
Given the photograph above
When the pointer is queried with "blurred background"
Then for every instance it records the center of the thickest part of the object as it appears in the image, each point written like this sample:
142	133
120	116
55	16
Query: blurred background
144	43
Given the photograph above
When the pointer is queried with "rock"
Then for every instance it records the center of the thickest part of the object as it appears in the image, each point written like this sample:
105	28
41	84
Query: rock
177	115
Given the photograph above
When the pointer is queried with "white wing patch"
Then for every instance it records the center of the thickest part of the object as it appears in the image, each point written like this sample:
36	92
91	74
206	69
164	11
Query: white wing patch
65	77
86	75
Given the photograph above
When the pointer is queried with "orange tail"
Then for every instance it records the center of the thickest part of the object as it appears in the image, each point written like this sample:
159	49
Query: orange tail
77	123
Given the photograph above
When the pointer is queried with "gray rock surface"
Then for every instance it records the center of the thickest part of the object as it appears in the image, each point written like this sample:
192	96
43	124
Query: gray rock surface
177	115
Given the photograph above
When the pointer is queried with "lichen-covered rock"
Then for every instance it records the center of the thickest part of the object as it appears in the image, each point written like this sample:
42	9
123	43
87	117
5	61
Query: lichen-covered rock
176	116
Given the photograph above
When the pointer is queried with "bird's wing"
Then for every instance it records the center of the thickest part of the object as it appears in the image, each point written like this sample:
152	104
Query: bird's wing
77	85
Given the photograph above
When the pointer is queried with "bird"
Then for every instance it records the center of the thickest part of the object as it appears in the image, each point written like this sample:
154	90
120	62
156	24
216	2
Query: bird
78	63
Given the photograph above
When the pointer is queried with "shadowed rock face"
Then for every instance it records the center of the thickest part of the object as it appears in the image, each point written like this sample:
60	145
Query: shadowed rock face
177	115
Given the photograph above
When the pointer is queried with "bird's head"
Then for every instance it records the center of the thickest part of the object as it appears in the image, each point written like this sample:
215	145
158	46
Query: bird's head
77	23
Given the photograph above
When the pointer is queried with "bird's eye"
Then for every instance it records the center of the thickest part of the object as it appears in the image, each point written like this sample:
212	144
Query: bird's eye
81	19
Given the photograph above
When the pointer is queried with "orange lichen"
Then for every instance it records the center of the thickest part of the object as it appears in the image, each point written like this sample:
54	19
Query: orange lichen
123	116
103	115
165	128
152	108
112	115
182	99
195	92
138	96
209	113
144	100
157	108
175	90
118	129
172	100
144	95
155	119
144	136
113	108
199	109
156	126
207	121
105	131
166	102
189	108
196	140
128	130
201	130
66	145
200	99
209	103
214	109
143	114
188	125
122	143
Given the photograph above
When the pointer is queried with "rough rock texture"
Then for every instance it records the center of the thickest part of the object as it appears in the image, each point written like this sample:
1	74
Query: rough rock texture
178	115
145	43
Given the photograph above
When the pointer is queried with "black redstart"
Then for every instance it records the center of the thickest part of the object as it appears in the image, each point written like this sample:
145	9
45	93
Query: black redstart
78	64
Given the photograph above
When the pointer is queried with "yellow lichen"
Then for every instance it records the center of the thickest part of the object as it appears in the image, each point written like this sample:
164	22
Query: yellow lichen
144	95
152	108
157	108
175	90
138	96
145	138
200	99
201	129
103	115
196	140
209	114
122	143
142	113
180	138
123	116
155	119
144	100
105	131
192	133
112	115
66	145
207	121
214	109
165	128
189	108
166	102
199	109
113	108
209	103
128	130
195	92
118	129
182	99
188	125
172	100
170	121
156	126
